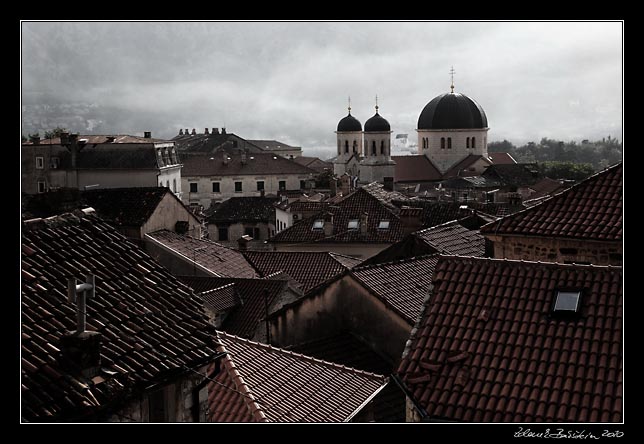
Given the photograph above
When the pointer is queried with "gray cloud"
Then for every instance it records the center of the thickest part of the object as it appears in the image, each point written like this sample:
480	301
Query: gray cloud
290	81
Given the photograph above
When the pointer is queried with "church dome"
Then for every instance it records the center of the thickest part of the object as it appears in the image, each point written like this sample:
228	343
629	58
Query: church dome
452	111
349	123
376	124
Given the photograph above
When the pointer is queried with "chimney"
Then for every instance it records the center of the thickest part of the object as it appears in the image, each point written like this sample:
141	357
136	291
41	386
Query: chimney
186	132
389	183
206	131
225	160
364	220
73	147
147	134
215	130
194	132
242	242
35	139
64	138
181	131
328	224
333	186
410	219
80	351
223	130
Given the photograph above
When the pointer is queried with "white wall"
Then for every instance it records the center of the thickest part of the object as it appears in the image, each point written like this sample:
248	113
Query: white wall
283	220
445	158
170	175
204	195
339	164
374	168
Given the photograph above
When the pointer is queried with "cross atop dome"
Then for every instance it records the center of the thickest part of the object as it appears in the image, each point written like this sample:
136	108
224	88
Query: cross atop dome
452	72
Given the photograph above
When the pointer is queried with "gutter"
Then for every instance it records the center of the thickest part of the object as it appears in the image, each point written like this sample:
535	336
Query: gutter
367	401
424	416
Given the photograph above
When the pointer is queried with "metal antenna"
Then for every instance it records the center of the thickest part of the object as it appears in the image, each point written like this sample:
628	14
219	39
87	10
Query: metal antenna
452	72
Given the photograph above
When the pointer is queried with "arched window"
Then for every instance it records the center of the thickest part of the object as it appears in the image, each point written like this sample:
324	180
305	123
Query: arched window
442	143
427	142
346	146
449	142
339	148
167	183
174	185
467	142
373	148
382	147
473	142
355	146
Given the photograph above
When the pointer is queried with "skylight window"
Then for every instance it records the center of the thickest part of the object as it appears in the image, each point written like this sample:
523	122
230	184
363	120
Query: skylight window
318	224
383	225
353	224
567	301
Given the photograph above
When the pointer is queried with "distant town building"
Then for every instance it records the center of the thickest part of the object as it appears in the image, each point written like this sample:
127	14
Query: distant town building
97	161
242	216
222	175
279	148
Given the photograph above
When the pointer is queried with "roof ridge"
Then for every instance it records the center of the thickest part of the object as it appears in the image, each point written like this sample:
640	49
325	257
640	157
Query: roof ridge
256	410
70	218
527	262
394	262
207	292
304	357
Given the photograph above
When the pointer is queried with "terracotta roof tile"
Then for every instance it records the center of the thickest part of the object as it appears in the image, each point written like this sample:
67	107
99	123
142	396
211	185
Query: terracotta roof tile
321	266
501	158
220	260
453	238
244	209
50	393
243	297
261	383
256	164
521	353
371	200
403	285
592	209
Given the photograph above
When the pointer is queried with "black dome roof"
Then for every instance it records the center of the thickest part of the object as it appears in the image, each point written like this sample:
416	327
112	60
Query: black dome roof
349	123
452	111
376	124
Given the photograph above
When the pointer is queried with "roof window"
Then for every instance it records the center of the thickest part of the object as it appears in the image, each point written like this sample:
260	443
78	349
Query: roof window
318	224
383	225
353	224
567	301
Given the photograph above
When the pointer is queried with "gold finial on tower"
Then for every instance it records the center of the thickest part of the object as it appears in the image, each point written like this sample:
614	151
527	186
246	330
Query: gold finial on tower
376	103
452	72
349	104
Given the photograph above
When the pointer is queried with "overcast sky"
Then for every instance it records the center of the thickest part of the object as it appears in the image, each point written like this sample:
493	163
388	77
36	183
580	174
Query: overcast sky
290	81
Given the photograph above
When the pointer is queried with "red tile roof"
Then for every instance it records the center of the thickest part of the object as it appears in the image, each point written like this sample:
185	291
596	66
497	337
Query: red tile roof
592	209
320	266
501	158
415	169
275	385
487	349
219	260
244	209
460	168
151	325
401	285
453	238
546	186
372	200
256	164
314	163
246	295
93	139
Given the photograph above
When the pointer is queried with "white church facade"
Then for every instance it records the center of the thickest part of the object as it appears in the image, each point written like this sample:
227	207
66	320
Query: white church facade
452	128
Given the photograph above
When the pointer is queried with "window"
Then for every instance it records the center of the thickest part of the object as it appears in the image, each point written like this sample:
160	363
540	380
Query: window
383	225
382	147
41	187
442	143
318	224
302	184
260	185
215	187
346	146
473	142
174	185
282	185
40	162
238	187
467	142
167	183
373	148
194	188
223	233
355	146
449	143
161	183
175	160
567	301
339	148
54	162
353	224
252	232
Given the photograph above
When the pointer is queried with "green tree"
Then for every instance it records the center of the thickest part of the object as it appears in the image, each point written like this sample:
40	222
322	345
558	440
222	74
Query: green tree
54	132
566	170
